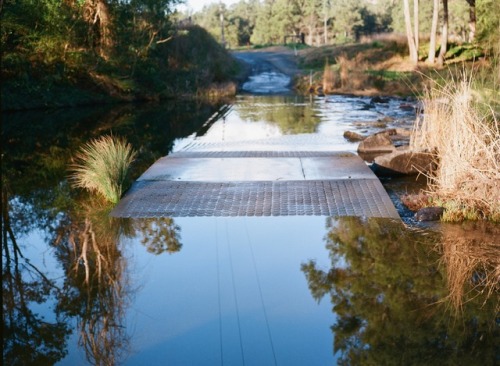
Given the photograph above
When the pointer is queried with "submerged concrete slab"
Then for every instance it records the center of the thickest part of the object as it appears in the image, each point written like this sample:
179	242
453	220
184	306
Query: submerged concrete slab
257	183
263	168
359	197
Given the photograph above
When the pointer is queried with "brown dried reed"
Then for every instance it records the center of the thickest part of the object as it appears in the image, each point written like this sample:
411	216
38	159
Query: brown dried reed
463	133
328	78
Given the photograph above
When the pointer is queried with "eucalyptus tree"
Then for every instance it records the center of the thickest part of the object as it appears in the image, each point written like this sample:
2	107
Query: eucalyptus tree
472	19
432	43
410	35
263	31
488	24
346	16
444	34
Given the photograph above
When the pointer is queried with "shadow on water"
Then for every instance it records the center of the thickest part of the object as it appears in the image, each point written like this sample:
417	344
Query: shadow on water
77	284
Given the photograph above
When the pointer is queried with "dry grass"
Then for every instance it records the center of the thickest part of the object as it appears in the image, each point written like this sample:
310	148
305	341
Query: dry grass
218	91
463	134
352	72
102	165
328	78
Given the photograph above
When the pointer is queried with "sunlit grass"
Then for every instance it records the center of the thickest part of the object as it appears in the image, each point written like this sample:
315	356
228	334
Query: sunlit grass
101	166
462	130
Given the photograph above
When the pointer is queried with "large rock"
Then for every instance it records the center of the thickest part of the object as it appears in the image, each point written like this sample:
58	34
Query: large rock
429	214
378	143
353	136
403	162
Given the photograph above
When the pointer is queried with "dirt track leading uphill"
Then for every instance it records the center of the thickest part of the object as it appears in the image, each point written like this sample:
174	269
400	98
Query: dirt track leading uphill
278	59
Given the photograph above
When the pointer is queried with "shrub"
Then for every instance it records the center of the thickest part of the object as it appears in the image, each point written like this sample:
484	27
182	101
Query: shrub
102	165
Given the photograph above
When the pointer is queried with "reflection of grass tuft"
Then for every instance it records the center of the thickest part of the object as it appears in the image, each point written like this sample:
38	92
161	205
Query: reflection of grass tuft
102	165
472	262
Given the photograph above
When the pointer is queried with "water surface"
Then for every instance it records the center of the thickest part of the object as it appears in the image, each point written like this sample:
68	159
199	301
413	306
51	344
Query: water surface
82	288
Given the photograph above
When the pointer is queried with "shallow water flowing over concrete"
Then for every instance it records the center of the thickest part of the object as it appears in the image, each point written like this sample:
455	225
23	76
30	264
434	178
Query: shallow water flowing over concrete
246	164
277	183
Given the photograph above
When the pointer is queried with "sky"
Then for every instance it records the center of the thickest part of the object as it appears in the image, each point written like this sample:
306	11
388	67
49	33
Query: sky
197	5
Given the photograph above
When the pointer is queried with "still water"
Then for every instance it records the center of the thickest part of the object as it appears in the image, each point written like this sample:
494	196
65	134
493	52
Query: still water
82	288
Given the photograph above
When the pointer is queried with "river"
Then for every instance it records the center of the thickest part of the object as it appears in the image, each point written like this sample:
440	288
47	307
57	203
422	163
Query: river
82	288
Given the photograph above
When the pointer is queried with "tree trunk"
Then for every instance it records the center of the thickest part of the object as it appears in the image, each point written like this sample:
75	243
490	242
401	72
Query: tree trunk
472	20
444	34
409	33
325	21
416	24
97	15
432	46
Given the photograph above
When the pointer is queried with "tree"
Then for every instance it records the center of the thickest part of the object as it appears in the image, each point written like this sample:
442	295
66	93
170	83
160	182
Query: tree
416	24
412	44
347	16
472	19
262	33
444	34
97	14
432	44
488	26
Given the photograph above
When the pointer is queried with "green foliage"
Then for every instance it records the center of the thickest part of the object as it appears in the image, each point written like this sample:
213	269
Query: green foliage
73	53
102	166
488	25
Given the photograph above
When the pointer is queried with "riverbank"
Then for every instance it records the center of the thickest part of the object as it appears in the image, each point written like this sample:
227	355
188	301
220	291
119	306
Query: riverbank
190	65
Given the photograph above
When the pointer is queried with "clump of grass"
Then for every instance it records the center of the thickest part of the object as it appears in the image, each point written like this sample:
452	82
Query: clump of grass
102	165
463	134
353	72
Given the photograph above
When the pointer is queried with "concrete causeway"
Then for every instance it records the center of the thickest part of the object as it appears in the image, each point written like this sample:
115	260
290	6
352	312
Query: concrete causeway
282	177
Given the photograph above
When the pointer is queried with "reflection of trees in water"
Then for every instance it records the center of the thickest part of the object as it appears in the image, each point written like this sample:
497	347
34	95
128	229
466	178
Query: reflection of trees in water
160	235
86	241
292	116
28	338
97	289
385	287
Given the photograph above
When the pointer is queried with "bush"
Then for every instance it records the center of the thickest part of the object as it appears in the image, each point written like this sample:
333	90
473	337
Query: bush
102	166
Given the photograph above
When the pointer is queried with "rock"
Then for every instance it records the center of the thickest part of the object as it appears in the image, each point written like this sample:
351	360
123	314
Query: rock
366	107
386	119
379	142
429	214
407	107
403	132
380	100
353	136
404	162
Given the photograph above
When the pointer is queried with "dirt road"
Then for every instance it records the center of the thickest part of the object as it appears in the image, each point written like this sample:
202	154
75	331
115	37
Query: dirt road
278	59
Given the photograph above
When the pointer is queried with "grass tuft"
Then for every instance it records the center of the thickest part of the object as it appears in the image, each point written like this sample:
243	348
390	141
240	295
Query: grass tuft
462	131
102	165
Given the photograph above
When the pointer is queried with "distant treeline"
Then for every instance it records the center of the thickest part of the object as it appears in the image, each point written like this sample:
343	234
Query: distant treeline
322	22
